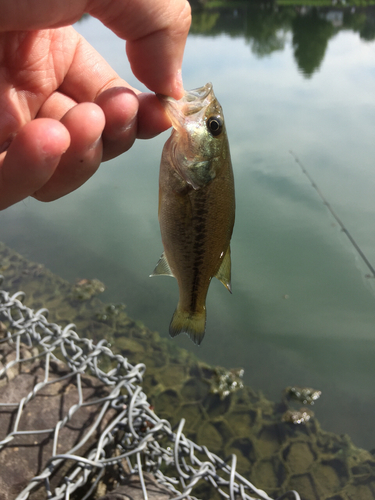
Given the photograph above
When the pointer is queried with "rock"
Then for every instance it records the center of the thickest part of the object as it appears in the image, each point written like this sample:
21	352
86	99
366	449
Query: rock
133	490
25	456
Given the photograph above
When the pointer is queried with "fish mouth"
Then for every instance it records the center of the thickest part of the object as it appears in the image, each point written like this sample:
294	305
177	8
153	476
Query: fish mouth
194	102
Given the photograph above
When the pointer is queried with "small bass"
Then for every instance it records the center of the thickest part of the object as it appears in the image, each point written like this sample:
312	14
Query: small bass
196	205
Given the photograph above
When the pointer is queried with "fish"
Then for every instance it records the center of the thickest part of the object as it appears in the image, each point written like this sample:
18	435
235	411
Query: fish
196	205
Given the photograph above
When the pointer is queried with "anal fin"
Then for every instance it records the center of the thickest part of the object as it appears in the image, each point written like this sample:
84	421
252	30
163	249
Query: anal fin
224	272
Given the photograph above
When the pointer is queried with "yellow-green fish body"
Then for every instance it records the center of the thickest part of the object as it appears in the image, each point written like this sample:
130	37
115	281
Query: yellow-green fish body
196	205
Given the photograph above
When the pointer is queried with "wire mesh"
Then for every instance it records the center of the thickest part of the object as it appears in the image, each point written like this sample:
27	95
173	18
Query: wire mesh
131	436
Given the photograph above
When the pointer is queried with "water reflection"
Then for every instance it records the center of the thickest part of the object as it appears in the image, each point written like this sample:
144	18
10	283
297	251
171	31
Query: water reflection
266	26
323	335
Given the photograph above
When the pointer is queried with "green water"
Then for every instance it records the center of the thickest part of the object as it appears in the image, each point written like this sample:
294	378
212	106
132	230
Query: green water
302	311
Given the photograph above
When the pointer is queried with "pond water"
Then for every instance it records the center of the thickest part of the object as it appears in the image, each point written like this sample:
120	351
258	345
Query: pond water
302	310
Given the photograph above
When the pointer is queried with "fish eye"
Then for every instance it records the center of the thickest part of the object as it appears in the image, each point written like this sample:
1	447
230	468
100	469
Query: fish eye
215	125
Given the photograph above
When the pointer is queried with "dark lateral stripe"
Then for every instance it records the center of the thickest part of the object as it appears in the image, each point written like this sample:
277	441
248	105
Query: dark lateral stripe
200	225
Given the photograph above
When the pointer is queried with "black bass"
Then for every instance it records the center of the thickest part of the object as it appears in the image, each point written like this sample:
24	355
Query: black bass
196	205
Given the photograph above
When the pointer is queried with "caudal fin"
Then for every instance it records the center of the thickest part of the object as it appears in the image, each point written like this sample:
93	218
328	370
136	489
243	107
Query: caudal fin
193	324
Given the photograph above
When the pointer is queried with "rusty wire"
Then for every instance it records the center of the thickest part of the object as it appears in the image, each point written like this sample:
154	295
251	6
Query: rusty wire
150	447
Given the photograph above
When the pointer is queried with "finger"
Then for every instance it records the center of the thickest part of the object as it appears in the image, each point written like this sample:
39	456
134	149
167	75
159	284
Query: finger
129	116
85	123
31	159
120	107
56	106
152	119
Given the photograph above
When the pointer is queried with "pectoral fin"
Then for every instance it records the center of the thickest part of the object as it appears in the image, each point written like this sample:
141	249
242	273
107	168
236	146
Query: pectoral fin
162	268
224	272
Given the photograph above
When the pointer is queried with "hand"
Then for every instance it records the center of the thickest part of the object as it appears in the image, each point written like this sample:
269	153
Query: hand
63	109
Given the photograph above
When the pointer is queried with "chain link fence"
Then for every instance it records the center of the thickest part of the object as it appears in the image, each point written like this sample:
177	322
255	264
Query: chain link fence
127	433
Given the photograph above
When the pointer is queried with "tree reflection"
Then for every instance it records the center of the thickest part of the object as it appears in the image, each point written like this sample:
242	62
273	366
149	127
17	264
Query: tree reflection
266	25
311	33
361	23
266	29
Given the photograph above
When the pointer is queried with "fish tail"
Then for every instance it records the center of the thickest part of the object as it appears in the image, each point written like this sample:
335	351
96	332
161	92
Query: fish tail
191	323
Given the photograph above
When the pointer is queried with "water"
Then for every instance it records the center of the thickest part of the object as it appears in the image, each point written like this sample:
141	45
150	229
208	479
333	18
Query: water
302	311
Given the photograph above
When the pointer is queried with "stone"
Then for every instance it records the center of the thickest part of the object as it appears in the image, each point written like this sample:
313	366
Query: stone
132	490
299	457
25	456
210	437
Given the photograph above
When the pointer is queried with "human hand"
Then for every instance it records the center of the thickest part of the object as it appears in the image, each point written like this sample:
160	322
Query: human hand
63	109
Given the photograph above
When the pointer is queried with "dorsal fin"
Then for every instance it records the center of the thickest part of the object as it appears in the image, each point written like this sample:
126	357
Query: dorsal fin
162	268
224	272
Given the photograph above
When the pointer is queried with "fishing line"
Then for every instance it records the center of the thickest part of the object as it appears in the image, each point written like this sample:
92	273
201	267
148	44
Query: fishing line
337	218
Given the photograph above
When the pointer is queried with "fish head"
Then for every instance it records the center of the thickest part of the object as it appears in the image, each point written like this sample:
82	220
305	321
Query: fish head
199	141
